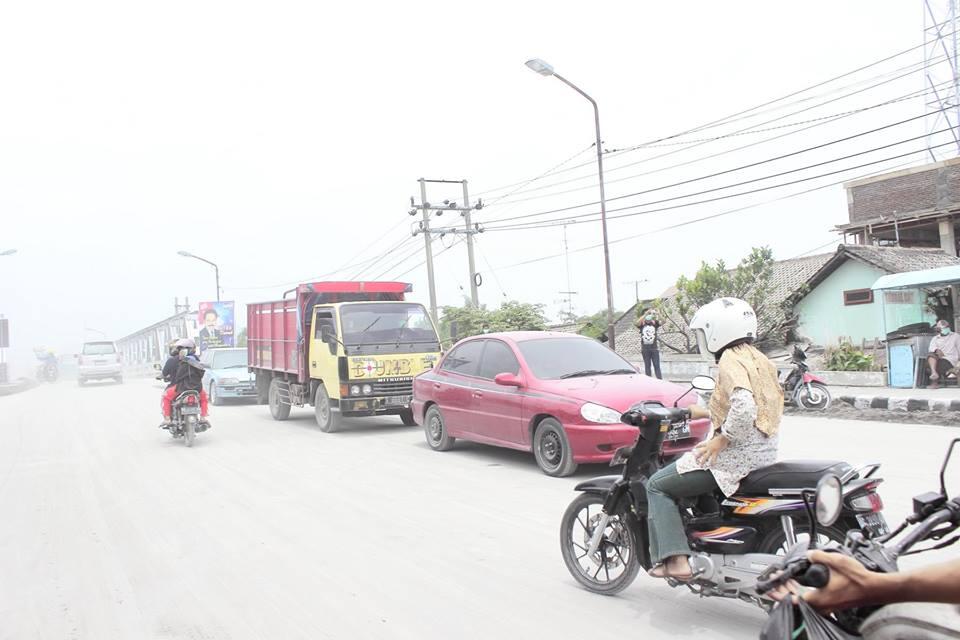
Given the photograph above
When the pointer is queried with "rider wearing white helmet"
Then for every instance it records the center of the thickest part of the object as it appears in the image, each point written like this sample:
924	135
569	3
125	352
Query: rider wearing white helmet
745	409
187	377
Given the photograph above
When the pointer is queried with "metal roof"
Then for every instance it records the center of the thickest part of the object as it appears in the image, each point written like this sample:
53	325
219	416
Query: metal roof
940	276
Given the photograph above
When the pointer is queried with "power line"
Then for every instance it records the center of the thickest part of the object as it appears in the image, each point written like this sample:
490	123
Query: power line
728	119
727	171
699	144
558	222
549	171
708	217
384	255
438	254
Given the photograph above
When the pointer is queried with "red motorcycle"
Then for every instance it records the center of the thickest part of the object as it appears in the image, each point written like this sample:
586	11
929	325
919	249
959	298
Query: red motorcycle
803	389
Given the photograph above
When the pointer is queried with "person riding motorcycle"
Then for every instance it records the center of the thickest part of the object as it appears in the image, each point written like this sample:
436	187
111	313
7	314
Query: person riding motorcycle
188	377
48	367
173	361
745	409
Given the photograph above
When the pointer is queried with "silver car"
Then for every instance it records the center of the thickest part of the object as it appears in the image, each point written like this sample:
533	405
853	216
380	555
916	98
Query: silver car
98	361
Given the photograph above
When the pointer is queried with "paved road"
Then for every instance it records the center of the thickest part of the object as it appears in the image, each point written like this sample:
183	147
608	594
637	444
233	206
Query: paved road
109	529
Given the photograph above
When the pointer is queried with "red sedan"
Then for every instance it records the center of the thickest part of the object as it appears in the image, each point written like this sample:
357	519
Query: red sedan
557	394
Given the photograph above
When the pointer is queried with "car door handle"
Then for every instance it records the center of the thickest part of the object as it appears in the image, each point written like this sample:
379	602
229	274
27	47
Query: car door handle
477	394
436	386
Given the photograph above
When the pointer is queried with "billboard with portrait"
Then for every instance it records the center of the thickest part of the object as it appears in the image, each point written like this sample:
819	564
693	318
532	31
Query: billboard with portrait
215	320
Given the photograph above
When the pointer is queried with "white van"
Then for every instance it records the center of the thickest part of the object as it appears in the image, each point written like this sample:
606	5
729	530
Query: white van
98	361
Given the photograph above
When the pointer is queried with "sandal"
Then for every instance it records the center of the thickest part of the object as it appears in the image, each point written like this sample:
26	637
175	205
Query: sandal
660	571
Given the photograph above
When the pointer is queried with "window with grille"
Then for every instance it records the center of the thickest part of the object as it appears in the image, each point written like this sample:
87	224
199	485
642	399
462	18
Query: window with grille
857	296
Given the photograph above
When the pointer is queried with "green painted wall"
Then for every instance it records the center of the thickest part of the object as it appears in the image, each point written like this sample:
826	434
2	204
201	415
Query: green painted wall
824	318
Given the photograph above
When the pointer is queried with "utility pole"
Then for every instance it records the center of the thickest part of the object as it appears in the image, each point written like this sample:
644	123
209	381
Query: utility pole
426	241
468	230
474	295
636	287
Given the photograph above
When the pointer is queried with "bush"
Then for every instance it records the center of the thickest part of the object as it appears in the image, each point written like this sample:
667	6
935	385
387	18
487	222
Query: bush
846	357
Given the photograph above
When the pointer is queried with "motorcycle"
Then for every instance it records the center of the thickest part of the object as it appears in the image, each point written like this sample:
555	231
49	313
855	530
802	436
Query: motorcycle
185	421
604	531
48	371
935	516
803	389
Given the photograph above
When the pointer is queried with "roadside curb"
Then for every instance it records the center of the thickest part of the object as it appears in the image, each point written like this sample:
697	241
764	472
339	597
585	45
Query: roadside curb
10	388
900	404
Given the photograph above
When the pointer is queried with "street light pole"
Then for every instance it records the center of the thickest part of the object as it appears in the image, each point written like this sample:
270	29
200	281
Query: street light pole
545	69
8	252
216	269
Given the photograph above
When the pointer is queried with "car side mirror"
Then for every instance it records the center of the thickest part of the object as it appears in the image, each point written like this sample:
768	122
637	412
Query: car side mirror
508	380
156	366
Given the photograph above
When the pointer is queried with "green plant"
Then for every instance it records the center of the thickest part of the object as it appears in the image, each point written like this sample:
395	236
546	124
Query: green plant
846	357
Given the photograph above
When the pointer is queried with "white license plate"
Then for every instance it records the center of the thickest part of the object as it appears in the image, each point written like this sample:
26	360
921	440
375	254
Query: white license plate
398	400
875	523
189	411
678	432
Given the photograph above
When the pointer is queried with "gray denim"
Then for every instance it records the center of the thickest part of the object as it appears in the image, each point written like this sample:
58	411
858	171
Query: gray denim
667	537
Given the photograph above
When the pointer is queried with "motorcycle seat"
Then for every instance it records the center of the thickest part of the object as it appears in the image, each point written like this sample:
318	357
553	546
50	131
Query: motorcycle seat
790	474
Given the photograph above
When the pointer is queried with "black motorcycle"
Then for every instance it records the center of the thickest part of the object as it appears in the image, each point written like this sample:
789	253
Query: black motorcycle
604	535
935	517
185	421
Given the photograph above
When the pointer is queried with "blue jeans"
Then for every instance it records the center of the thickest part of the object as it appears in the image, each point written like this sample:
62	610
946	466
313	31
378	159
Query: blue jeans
667	537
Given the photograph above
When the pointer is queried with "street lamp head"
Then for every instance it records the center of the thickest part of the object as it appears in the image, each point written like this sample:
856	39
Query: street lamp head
185	254
540	67
8	252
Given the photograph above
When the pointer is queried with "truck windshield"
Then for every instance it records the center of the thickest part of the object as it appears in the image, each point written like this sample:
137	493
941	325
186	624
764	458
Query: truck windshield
382	324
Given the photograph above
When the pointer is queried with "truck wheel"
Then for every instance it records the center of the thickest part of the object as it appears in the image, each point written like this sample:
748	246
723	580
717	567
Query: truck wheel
407	417
279	399
328	419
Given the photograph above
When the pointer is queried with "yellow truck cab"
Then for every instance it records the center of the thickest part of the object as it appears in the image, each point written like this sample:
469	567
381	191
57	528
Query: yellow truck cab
356	352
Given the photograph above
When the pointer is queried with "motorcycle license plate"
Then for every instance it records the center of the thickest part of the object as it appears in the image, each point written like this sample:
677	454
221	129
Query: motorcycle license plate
875	523
678	432
190	411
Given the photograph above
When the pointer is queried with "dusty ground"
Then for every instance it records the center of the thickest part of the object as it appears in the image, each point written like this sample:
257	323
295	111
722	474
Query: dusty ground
275	530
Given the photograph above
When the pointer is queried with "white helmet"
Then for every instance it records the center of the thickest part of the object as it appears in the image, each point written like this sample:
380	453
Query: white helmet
186	343
721	322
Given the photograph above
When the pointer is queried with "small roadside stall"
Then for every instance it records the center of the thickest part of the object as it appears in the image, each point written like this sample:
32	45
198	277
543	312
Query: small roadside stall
911	302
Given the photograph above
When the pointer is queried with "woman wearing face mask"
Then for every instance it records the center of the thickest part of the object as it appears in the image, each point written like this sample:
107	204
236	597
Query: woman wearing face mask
649	327
944	354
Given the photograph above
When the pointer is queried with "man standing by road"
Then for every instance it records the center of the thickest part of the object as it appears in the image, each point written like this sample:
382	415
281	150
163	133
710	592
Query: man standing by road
649	327
944	354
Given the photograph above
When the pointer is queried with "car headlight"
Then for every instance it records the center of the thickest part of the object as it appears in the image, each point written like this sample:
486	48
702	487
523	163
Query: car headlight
227	381
599	413
355	390
367	389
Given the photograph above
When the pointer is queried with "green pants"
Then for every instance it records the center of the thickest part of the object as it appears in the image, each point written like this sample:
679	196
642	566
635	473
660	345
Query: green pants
667	537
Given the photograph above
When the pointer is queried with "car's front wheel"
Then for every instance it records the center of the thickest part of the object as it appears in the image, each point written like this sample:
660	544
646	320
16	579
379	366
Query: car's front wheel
552	450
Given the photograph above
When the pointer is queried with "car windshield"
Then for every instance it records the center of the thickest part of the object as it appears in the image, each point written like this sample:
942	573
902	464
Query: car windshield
230	359
557	358
98	349
377	324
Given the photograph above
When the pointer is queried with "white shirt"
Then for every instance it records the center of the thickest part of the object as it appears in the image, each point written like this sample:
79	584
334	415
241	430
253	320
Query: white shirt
949	345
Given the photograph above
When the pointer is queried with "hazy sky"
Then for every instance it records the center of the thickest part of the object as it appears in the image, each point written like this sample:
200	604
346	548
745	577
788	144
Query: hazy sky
283	140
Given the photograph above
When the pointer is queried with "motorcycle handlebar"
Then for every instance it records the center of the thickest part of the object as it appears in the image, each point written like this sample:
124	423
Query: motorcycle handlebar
931	522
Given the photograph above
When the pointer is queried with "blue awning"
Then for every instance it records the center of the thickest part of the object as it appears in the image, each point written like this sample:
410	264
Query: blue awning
939	277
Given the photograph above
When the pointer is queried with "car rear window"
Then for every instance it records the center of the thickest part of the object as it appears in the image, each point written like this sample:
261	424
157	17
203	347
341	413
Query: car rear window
98	349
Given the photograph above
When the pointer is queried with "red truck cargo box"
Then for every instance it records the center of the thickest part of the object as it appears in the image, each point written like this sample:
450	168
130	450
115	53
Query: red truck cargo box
276	330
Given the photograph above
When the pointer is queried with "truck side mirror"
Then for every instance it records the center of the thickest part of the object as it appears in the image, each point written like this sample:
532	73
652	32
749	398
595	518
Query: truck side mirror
326	334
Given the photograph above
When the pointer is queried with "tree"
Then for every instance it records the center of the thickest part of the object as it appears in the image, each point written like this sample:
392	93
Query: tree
751	280
467	320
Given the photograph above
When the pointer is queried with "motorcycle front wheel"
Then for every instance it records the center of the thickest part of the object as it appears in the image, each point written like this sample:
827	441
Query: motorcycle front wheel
814	396
614	565
190	430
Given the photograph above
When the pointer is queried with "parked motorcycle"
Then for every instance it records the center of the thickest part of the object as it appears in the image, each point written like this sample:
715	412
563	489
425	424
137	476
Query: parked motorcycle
604	531
185	419
803	389
935	516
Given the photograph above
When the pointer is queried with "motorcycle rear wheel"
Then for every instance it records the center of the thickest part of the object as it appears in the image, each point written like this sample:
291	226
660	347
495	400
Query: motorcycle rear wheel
614	566
775	542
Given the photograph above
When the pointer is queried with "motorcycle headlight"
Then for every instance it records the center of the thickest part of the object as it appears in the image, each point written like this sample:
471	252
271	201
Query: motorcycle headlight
355	390
228	381
599	414
367	389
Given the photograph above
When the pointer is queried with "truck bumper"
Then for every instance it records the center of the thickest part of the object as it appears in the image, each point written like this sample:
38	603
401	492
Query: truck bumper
370	406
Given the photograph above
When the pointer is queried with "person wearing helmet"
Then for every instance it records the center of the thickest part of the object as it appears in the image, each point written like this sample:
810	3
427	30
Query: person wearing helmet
745	409
173	360
188	377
